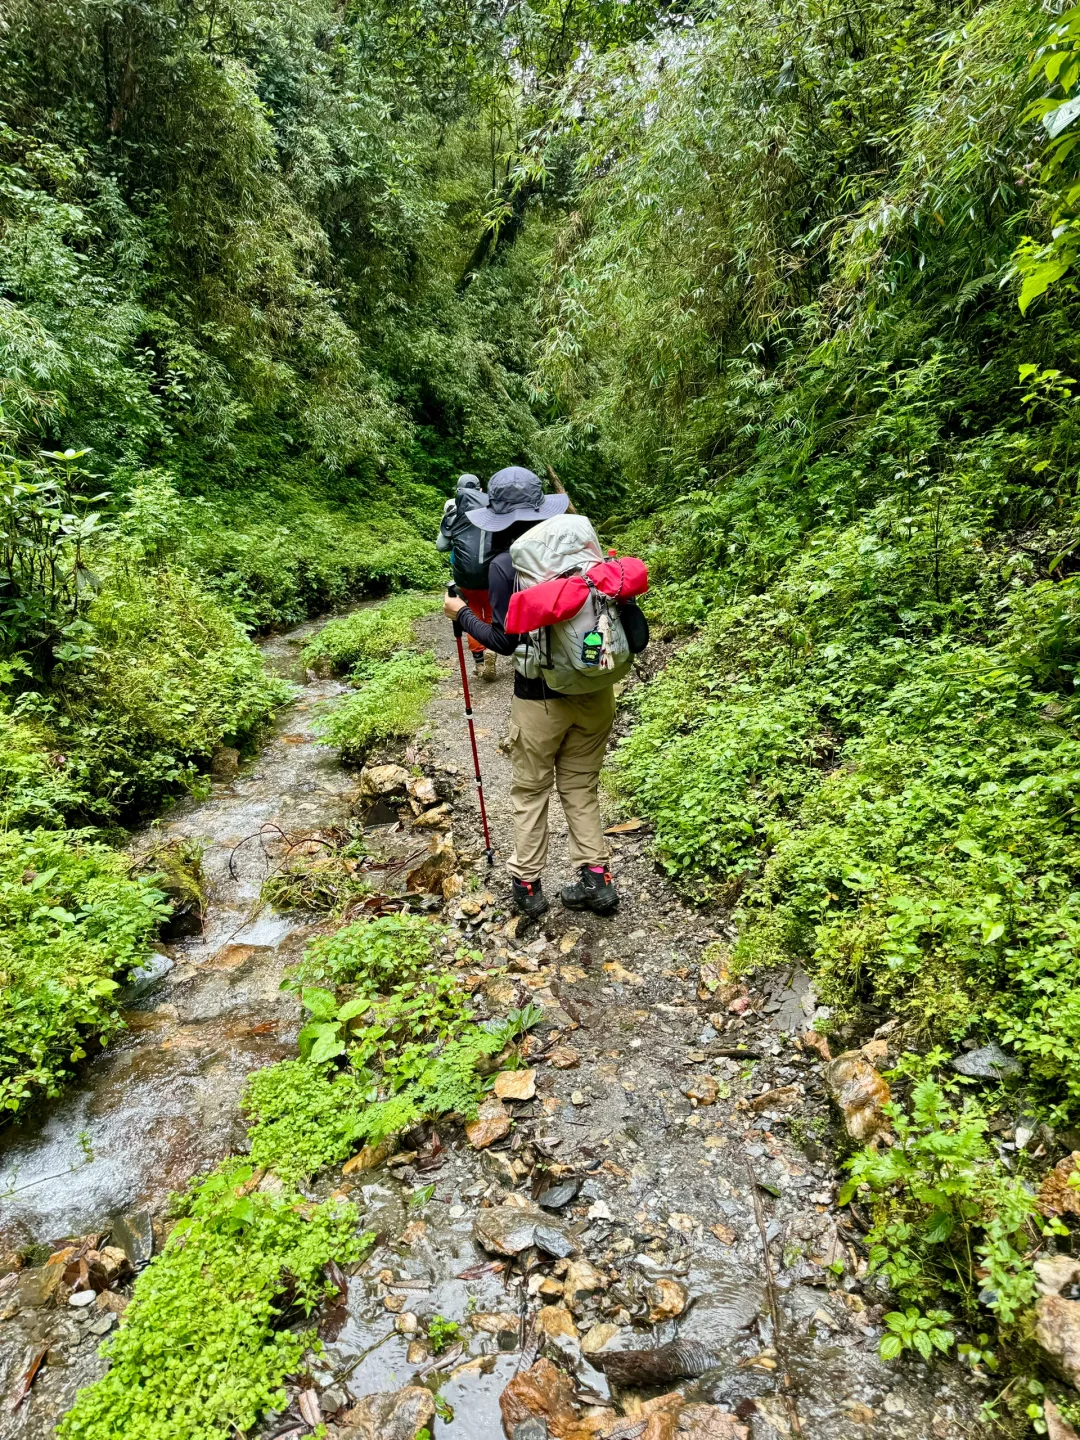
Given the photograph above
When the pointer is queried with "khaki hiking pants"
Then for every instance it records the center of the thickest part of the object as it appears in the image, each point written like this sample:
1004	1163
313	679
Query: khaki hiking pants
560	740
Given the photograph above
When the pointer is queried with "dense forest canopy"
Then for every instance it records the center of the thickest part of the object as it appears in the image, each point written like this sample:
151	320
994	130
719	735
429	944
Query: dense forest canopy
783	292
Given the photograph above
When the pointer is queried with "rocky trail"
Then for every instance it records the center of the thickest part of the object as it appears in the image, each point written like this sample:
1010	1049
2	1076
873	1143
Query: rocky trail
659	1179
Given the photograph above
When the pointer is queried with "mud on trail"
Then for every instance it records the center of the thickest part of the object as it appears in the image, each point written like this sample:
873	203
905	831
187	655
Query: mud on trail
669	1183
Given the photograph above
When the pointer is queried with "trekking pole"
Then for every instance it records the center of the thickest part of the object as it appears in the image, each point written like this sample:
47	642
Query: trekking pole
488	848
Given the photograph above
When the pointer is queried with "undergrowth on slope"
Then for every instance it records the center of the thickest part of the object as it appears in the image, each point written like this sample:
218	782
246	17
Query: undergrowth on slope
73	923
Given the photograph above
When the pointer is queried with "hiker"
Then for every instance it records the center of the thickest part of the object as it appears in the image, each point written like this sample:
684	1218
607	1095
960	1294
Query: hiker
470	552
563	707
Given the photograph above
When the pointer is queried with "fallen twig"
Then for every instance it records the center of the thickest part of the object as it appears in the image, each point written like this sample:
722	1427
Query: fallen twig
774	1307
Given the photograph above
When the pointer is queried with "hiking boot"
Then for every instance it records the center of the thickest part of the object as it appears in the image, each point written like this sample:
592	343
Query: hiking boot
488	672
595	890
529	898
479	657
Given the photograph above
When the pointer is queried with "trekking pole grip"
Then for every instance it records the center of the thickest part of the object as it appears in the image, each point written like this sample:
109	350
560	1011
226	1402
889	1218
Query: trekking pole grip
451	590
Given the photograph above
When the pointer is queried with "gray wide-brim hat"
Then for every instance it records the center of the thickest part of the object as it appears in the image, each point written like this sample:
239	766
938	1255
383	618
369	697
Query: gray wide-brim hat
517	494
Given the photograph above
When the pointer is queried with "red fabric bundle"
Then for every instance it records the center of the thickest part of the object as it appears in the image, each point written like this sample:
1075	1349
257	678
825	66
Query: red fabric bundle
555	600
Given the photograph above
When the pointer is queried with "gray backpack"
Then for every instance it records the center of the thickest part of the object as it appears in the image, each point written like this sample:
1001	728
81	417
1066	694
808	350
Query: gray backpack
589	651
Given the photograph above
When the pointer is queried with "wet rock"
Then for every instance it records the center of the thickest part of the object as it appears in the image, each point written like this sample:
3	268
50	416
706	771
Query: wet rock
1057	1333
144	977
508	1230
422	789
531	1430
989	1062
379	780
370	1157
556	1191
492	1123
555	1321
134	1234
1056	1195
330	1401
600	1337
781	1099
452	886
544	1393
582	1278
667	1299
860	1092
495	1324
639	1369
389	1416
406	1324
792	1007
569	940
225	763
709	1422
701	1088
78	1299
428	877
436	819
564	1057
515	1084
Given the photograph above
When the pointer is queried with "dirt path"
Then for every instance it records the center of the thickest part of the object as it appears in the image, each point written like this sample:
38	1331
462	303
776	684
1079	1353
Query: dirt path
661	1193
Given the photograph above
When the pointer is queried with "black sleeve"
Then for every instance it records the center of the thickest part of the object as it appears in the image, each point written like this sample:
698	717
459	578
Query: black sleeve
500	588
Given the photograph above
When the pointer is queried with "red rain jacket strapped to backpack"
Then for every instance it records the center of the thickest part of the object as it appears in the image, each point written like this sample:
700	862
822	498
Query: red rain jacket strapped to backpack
619	579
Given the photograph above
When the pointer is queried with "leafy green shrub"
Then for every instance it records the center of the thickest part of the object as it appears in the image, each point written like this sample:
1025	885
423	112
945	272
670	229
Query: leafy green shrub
352	642
368	955
73	922
948	1218
39	783
388	706
303	1117
200	1352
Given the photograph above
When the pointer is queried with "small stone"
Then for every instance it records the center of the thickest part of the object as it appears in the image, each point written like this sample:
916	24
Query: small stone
822	1317
422	788
569	940
81	1298
564	1057
989	1062
394	1303
494	1324
515	1084
556	1320
582	1278
428	877
492	1123
414	1231
383	779
599	1337
418	1352
102	1325
703	1089
452	886
667	1299
332	1400
782	1099
684	1224
579	1098
600	1210
406	1324
456	1212
438	818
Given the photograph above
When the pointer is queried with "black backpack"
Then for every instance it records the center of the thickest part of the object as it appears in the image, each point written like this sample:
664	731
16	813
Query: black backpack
470	546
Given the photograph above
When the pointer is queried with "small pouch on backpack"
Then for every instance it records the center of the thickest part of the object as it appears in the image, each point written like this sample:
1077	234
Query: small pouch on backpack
635	625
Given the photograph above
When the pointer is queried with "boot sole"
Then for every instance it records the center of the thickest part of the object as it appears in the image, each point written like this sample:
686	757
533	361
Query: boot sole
585	905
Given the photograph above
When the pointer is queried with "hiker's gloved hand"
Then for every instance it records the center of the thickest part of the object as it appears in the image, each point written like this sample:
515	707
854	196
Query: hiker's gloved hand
452	606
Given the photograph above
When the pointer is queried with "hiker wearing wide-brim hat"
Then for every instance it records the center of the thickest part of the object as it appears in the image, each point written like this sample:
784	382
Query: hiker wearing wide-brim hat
558	732
516	494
